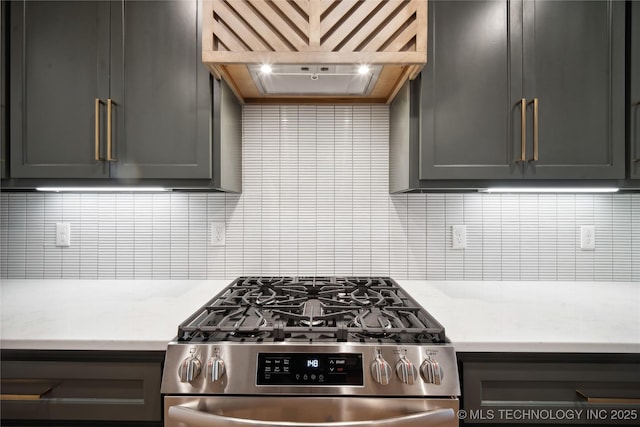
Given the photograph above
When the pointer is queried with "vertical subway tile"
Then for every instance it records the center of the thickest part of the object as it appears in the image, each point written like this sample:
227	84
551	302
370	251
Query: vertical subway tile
234	254
584	258
197	235
547	237
251	218
35	231
125	236
289	212
529	237
107	236
602	216
455	258
621	238
216	255
307	190
325	190
510	236
179	235
161	205
52	254
566	244
361	166
398	239
379	192
343	190
17	236
89	253
473	213
143	236
436	236
417	236
270	195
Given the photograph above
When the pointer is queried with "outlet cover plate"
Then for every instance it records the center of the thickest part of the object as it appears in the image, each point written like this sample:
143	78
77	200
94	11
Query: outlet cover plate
458	236
218	234
63	234
587	237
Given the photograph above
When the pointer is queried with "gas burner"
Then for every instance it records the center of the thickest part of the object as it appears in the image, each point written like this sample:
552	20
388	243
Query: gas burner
366	297
262	296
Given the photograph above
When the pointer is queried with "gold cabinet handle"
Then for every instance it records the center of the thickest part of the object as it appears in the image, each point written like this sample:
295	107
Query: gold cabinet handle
523	130
110	157
535	129
97	128
614	400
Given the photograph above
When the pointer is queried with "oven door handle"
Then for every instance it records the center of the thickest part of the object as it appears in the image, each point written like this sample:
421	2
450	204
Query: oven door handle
195	418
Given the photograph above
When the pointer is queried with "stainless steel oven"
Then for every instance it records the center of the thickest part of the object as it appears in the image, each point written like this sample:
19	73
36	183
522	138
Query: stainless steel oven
302	351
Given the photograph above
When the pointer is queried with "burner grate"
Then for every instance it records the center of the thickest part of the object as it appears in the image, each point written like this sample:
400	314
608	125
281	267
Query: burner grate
338	309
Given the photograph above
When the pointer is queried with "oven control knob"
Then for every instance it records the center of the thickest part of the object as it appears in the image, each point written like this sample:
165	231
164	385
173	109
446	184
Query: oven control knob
380	370
189	369
431	372
406	371
215	369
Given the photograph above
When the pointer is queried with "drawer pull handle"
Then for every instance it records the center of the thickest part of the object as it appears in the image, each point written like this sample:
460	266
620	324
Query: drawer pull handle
97	129
110	157
535	129
614	400
523	131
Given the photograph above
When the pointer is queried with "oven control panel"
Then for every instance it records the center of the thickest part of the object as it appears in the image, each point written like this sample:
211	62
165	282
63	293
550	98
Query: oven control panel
283	368
310	369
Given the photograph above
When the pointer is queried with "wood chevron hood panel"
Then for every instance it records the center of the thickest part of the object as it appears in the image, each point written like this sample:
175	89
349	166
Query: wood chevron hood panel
311	39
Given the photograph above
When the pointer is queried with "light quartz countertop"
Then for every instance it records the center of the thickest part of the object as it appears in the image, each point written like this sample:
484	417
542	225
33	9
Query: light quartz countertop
588	317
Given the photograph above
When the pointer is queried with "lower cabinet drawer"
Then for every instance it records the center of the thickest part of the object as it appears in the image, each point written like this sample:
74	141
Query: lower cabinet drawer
98	389
550	389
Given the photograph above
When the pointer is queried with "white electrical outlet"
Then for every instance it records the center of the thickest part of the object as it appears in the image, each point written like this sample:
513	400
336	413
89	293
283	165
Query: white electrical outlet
63	234
458	236
587	237
218	237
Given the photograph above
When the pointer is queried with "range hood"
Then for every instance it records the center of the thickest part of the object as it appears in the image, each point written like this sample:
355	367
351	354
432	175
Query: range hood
310	51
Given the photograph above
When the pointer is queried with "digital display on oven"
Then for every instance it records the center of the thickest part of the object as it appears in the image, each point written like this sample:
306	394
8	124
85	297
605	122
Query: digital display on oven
307	369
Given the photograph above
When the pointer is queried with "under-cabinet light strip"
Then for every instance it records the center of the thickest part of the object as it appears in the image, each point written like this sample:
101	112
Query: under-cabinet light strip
549	190
101	189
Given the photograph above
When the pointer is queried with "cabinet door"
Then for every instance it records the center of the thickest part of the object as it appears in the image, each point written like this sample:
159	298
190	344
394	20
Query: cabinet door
59	54
574	66
634	90
161	90
3	98
471	91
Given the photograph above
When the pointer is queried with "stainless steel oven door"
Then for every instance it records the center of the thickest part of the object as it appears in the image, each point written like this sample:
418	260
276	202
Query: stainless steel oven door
288	411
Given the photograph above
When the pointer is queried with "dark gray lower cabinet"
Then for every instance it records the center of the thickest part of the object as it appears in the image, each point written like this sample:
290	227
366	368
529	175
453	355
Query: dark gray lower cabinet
81	387
550	389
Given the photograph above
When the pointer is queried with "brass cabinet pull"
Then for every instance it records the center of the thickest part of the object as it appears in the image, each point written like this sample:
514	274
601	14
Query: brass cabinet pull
97	128
110	157
535	129
523	130
607	399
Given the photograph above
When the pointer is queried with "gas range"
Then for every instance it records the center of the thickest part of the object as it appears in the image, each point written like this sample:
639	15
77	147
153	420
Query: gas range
311	336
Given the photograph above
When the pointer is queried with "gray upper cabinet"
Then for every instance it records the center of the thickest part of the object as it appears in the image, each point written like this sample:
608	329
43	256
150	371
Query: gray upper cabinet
3	97
59	66
161	91
634	90
560	63
115	90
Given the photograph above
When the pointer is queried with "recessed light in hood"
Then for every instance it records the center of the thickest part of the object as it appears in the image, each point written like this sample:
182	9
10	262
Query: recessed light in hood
325	79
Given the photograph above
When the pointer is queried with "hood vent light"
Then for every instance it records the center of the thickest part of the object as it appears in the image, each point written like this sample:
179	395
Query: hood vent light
283	79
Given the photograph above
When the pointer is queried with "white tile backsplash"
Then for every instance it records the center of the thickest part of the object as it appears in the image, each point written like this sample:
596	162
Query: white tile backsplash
315	202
